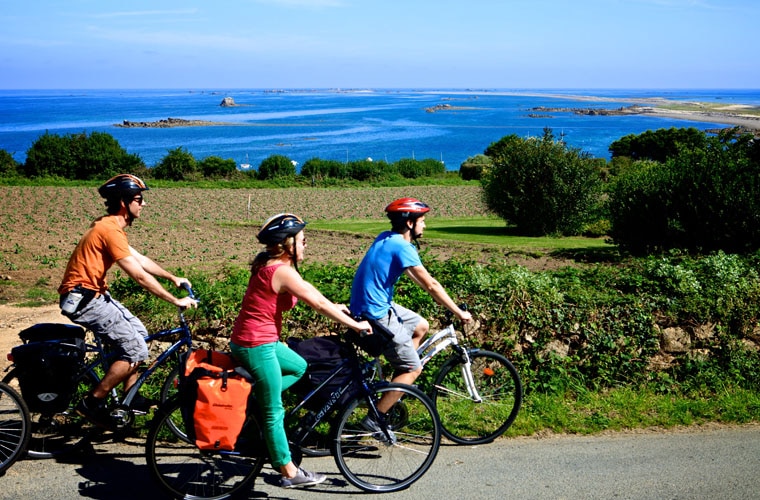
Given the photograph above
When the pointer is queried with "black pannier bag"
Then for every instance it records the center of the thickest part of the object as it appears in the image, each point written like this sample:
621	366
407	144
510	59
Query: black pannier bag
48	365
324	355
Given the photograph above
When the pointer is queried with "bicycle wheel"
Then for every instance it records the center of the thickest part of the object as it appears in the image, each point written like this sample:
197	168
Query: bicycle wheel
368	461
58	433
168	391
184	471
15	427
465	421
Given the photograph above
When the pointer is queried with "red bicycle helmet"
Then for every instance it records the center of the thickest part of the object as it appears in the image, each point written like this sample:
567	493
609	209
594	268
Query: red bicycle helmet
278	227
406	207
122	186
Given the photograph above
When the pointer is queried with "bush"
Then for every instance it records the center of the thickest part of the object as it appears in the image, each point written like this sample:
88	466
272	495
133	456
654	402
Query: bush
276	166
213	167
9	167
178	165
699	200
79	156
541	186
472	168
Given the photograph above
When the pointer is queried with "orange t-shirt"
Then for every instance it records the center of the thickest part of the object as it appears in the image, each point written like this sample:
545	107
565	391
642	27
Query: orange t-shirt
104	243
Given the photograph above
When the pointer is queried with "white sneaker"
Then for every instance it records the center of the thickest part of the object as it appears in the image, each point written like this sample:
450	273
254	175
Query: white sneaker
302	478
371	425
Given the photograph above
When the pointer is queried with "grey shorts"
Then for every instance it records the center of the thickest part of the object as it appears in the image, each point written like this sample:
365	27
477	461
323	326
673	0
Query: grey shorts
109	319
401	354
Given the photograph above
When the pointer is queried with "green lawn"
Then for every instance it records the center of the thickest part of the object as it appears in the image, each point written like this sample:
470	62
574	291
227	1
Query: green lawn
487	230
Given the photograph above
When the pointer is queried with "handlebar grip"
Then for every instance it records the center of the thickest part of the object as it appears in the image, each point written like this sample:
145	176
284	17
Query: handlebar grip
188	289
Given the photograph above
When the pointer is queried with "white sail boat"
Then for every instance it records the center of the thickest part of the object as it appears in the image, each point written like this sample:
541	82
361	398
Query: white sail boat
246	165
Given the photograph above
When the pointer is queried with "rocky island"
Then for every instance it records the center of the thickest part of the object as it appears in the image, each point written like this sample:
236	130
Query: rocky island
169	123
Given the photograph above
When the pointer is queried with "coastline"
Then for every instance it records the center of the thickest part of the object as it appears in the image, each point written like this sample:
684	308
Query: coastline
746	117
737	115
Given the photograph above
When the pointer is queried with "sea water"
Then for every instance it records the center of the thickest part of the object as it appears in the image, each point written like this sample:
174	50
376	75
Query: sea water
385	124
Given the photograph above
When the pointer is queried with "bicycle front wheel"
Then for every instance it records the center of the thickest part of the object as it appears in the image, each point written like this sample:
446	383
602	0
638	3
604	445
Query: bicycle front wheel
59	433
184	471
466	421
372	462
14	427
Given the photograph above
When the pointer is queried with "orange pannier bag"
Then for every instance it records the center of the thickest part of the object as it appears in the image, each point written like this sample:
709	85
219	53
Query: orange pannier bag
215	399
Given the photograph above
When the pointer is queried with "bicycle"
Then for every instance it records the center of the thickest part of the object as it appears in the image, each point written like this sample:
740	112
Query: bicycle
14	425
477	393
59	431
385	461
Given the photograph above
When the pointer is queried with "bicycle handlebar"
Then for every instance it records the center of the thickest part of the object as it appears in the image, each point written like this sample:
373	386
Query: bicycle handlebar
189	290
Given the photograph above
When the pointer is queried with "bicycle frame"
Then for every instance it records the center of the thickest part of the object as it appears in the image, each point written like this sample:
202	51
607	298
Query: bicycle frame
104	359
306	424
440	341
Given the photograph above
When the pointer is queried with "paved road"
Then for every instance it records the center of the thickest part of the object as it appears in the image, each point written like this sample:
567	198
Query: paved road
695	464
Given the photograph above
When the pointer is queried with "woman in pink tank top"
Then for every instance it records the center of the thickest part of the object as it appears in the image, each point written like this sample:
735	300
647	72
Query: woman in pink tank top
274	287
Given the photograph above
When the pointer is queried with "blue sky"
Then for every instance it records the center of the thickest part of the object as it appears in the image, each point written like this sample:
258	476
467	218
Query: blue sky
508	44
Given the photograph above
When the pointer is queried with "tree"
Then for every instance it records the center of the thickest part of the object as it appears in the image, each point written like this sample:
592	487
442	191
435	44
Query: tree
276	166
658	145
540	185
177	165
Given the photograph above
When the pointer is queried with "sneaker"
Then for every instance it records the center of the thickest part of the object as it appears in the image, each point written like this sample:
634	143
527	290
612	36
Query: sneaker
141	404
371	425
302	478
97	414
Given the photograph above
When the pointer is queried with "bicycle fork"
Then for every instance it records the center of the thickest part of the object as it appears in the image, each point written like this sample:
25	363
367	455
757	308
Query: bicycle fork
469	380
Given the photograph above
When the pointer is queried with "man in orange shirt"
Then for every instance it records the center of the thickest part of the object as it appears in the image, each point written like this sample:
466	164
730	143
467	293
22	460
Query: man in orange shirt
84	292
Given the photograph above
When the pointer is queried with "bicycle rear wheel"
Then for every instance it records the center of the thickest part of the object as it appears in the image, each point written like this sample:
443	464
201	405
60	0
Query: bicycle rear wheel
184	471
15	427
466	421
371	463
59	433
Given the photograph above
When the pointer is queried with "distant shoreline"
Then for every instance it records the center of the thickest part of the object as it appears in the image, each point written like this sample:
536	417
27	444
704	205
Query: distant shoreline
735	115
740	115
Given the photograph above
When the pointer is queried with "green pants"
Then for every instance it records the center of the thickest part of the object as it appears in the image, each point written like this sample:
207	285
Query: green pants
275	367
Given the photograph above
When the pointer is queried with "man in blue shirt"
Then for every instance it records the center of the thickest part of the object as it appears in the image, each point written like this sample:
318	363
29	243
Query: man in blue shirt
392	254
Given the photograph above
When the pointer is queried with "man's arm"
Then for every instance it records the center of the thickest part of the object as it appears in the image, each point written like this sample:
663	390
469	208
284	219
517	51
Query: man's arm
150	266
422	277
135	270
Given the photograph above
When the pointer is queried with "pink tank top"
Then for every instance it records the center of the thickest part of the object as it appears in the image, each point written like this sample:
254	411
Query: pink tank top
260	318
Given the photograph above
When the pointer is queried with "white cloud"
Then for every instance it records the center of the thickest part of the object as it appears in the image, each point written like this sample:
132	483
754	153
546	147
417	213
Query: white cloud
143	13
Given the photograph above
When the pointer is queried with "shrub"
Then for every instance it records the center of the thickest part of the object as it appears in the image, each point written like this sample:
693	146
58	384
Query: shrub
178	165
9	167
276	166
699	200
79	156
472	168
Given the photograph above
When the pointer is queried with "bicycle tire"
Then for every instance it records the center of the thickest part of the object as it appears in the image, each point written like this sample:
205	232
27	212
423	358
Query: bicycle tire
168	391
15	427
184	471
465	421
61	433
371	464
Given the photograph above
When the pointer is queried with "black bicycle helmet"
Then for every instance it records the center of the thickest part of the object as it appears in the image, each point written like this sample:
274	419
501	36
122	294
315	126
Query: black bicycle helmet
279	227
122	186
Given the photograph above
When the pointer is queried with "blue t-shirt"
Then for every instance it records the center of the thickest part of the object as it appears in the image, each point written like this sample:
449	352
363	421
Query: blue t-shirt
385	261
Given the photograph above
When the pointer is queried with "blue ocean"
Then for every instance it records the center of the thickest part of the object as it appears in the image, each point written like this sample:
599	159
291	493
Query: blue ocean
333	124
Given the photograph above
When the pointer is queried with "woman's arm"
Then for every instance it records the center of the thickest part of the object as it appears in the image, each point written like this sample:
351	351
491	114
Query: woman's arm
286	279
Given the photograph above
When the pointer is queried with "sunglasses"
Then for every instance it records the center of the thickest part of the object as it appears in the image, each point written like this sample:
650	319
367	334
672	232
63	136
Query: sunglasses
138	199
